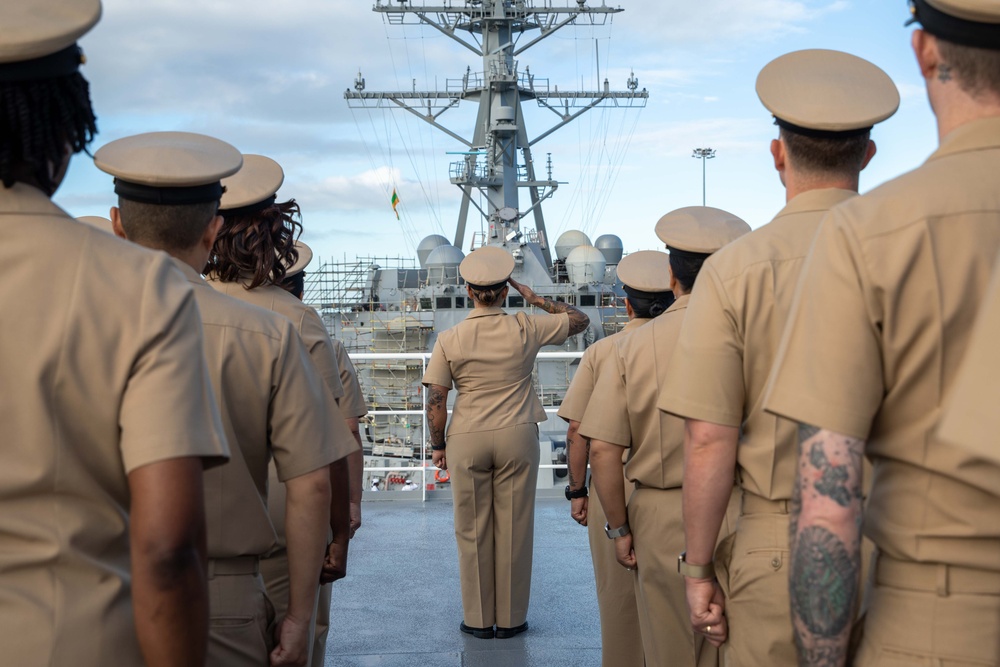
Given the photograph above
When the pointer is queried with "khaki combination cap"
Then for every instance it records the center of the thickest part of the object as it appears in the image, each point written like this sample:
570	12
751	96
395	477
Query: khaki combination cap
699	229
253	186
645	271
97	221
171	168
819	91
32	30
305	256
487	267
973	23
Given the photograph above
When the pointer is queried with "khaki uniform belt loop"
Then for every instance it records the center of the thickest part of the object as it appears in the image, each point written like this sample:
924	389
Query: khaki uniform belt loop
752	504
939	578
232	566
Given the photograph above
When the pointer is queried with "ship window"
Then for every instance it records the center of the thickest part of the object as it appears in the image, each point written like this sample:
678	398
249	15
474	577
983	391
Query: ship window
588	300
460	302
515	302
425	303
443	302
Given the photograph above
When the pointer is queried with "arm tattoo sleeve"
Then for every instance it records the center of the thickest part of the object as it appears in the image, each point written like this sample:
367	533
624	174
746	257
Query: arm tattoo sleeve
825	540
436	409
578	320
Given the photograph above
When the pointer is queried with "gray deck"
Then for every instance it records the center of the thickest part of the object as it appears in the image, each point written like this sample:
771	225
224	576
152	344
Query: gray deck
400	603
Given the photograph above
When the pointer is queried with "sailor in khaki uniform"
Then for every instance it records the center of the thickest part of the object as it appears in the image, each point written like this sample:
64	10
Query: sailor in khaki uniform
492	452
107	411
971	417
825	104
622	417
252	254
888	298
353	408
271	398
621	643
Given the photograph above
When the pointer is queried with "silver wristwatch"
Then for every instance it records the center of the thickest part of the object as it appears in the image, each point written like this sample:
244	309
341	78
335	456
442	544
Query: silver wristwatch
621	531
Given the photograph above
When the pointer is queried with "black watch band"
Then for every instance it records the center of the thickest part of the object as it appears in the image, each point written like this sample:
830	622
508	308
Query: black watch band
439	448
579	493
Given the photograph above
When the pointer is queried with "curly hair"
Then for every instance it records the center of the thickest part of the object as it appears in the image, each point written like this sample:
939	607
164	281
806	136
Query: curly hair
38	120
258	245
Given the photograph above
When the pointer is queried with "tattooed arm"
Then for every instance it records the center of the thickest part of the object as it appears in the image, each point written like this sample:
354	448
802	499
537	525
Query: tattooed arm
578	320
577	457
437	419
826	544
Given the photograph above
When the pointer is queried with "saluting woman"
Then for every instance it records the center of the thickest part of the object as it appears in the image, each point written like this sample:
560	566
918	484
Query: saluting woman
492	446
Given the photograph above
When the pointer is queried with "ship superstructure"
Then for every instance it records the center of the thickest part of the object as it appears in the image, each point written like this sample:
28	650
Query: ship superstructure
395	306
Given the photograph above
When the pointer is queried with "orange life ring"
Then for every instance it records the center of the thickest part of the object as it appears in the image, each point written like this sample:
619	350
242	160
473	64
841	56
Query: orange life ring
442	476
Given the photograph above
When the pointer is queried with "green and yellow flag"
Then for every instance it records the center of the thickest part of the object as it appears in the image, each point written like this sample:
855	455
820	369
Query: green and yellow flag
395	203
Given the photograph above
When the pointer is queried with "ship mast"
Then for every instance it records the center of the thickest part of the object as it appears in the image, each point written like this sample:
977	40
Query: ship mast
491	164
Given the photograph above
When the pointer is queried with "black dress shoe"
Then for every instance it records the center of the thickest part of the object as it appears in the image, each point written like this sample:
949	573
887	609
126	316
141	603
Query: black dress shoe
507	633
478	633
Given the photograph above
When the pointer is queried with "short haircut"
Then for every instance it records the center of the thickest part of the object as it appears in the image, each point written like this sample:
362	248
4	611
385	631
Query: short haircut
38	120
490	297
977	71
685	266
176	227
826	155
260	245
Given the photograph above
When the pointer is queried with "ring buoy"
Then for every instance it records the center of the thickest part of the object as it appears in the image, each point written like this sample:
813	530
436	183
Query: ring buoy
442	476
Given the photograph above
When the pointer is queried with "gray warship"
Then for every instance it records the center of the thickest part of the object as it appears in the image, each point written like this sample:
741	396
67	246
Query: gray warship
388	311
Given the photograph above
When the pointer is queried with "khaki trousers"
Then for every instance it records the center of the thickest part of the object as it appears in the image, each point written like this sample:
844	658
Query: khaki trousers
241	621
752	568
657	524
621	640
274	570
922	615
493	476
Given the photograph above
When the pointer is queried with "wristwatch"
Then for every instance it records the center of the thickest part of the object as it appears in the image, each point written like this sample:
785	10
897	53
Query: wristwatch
439	448
579	493
621	531
706	571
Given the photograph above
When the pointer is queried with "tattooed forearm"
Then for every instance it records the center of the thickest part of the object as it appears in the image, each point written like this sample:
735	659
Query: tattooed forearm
437	414
577	455
825	542
578	320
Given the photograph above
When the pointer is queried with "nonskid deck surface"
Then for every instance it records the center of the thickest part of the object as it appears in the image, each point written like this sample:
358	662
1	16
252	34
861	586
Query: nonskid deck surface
400	604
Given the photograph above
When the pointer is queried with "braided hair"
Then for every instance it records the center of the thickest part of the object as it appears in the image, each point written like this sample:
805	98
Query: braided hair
260	245
38	120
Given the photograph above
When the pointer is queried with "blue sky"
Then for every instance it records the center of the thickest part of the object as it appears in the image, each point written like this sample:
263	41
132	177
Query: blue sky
269	78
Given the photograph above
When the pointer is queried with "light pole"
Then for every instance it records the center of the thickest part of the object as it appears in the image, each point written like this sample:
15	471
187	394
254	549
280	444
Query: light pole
704	154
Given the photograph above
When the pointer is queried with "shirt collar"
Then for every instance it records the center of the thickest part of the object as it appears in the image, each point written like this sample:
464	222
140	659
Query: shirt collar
485	312
27	200
816	200
975	135
679	303
635	323
192	276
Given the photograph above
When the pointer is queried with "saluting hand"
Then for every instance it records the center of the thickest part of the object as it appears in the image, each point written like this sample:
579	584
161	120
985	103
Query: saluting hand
525	291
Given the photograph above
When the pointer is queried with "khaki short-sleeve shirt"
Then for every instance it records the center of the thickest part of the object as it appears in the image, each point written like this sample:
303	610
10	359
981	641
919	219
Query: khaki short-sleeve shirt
352	405
731	333
574	404
306	320
489	357
887	304
102	371
972	419
622	409
273	403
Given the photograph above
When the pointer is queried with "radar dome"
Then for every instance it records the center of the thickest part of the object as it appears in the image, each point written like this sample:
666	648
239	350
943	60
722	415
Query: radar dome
442	263
425	247
585	264
568	240
611	247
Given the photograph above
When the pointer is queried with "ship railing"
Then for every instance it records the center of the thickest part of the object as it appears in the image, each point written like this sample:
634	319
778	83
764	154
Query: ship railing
427	470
